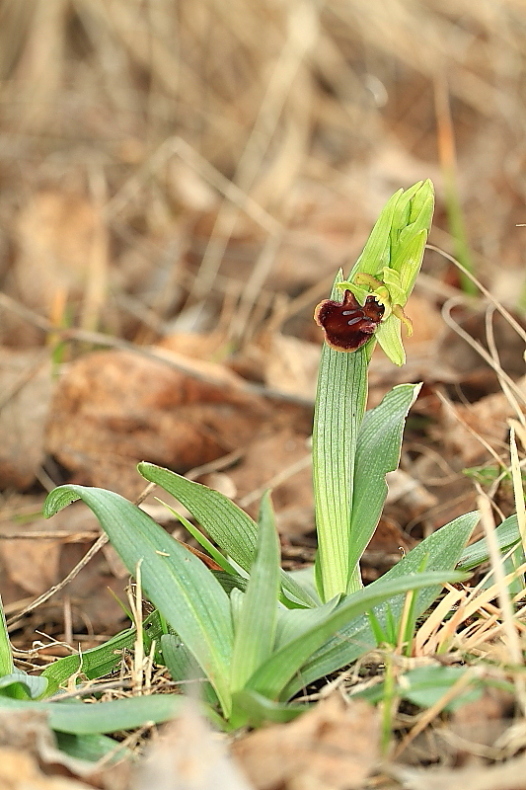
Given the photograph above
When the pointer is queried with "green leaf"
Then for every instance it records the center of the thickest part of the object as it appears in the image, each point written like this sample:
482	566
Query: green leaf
304	576
340	405
389	336
91	748
507	535
443	549
425	686
102	717
173	579
377	453
225	522
395	260
270	679
101	660
230	582
20	685
177	658
292	623
203	541
409	259
377	251
256	624
258	709
181	666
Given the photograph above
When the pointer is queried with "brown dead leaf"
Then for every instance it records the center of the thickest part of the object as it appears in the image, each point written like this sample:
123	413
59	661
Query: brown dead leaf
428	324
57	235
482	721
487	418
409	492
194	344
510	775
189	755
55	232
280	461
27	744
32	564
335	745
291	365
20	771
26	386
494	703
113	409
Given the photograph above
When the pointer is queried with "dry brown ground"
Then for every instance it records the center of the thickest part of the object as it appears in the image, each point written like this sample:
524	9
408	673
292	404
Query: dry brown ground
179	183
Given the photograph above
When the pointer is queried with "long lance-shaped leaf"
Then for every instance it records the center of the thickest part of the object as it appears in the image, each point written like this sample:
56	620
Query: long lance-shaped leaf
377	453
507	535
256	624
340	406
92	748
225	522
102	717
274	674
292	623
173	579
442	549
377	251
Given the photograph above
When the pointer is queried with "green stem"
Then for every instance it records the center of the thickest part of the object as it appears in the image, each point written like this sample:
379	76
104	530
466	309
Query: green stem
340	406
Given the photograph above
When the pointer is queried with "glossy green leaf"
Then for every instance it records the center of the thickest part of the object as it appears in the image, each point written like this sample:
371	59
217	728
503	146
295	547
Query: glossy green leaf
174	580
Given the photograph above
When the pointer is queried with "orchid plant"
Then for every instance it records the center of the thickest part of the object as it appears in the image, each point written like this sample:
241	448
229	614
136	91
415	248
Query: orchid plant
255	633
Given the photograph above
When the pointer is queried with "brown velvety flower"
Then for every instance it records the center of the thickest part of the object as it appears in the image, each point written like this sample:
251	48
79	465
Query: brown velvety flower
348	325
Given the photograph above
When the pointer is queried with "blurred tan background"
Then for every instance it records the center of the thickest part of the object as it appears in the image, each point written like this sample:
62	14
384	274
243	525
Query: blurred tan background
194	164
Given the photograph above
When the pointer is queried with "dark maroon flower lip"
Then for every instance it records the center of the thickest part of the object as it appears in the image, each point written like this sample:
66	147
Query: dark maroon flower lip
348	325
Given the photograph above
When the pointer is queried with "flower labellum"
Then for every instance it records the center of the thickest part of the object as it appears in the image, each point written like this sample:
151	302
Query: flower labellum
348	325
